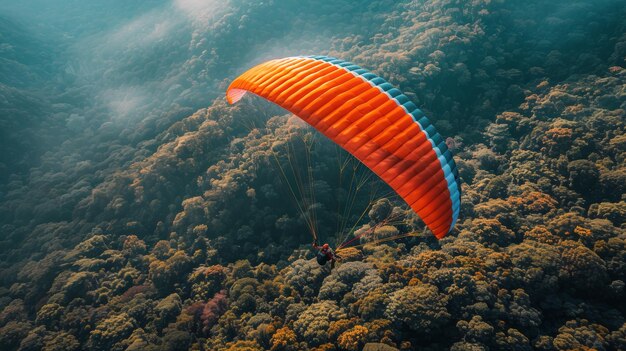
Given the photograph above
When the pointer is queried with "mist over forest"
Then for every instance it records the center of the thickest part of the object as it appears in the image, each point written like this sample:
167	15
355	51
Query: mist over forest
140	211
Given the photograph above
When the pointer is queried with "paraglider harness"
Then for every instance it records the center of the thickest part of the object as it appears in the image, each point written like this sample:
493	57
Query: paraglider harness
325	254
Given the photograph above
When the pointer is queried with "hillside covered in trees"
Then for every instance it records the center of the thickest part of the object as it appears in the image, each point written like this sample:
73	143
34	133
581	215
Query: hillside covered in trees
140	211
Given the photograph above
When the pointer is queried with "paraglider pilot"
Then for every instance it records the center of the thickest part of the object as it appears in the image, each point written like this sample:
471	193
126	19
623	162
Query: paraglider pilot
325	254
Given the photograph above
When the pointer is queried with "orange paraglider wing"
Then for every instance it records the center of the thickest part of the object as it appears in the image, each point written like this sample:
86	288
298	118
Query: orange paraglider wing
372	120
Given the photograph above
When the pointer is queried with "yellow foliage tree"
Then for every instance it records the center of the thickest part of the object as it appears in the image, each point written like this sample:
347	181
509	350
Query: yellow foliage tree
353	339
283	338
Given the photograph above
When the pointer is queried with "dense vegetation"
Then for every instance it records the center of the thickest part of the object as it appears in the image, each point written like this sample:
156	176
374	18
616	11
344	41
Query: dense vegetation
133	219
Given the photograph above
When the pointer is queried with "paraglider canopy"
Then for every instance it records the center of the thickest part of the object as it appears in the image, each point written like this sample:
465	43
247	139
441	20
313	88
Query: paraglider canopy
372	120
